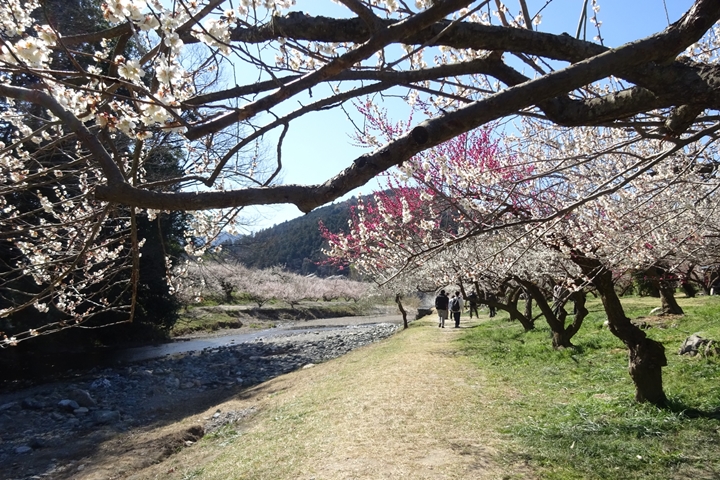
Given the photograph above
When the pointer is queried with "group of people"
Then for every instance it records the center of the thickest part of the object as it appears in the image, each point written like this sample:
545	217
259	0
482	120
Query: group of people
447	306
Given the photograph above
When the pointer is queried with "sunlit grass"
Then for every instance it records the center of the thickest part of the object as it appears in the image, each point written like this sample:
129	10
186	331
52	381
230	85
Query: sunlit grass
207	322
205	318
571	413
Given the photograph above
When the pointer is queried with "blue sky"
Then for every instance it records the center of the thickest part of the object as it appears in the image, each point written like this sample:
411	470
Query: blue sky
319	146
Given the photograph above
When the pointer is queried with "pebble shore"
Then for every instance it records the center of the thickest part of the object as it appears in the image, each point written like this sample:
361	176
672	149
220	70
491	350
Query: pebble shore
113	400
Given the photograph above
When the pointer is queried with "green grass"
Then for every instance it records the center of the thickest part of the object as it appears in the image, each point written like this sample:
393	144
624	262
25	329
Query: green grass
207	322
571	413
205	318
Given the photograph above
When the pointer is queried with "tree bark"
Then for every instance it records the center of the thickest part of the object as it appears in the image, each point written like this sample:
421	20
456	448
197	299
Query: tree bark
581	312
402	310
510	307
528	304
646	356
513	297
561	335
689	289
668	302
666	287
462	289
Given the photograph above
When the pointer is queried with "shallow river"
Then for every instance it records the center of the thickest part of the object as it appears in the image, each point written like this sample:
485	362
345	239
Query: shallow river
185	345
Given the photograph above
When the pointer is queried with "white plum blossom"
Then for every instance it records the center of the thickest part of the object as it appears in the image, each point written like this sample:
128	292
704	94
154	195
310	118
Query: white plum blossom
131	70
30	50
215	33
168	72
118	11
149	22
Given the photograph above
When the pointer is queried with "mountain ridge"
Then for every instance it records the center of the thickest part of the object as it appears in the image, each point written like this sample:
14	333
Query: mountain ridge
293	244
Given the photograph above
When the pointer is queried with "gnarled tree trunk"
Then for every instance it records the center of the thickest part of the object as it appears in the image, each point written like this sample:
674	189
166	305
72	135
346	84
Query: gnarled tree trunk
668	303
666	287
646	356
561	335
402	310
510	307
528	303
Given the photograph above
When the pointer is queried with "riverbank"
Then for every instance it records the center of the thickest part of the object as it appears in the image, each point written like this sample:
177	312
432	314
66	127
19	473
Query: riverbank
59	430
487	400
37	362
403	407
203	320
407	407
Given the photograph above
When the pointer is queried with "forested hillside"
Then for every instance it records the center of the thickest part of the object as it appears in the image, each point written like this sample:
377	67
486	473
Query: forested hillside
296	244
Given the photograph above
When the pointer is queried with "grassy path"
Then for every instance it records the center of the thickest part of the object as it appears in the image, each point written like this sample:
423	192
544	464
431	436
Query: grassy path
408	407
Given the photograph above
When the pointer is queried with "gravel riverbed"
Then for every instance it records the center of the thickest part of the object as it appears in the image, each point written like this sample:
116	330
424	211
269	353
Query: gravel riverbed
46	430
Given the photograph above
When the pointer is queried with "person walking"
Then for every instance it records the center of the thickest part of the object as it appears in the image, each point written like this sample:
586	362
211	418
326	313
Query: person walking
441	305
456	306
491	308
473	304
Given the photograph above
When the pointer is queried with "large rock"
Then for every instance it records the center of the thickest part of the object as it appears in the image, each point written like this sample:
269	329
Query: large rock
695	344
83	398
105	417
68	405
31	403
9	406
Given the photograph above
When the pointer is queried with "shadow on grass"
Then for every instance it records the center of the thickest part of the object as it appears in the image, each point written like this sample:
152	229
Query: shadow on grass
684	410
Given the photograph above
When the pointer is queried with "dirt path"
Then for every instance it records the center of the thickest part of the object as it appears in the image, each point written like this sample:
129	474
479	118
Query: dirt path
408	407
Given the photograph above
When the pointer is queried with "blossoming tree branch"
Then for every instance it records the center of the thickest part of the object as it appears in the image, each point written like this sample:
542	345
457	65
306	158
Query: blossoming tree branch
87	114
326	50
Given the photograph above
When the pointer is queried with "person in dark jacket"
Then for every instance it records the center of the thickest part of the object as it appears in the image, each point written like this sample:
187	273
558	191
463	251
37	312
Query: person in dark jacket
441	305
473	301
491	308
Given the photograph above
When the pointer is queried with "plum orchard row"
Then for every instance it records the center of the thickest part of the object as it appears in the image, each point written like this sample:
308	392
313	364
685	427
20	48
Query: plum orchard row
548	218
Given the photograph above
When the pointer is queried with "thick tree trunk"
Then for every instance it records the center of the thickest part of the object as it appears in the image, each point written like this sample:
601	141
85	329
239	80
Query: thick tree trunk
515	314
560	340
561	336
528	304
513	297
402	310
689	289
666	288
668	303
510	307
580	313
646	356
